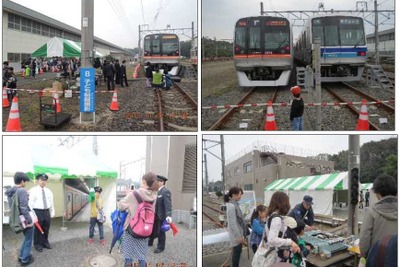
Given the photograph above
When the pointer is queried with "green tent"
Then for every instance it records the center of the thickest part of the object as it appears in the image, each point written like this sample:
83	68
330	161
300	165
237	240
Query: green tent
58	47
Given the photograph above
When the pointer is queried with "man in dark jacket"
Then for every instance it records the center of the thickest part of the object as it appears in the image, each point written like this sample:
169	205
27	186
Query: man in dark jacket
20	180
304	212
109	73
123	74
163	212
117	68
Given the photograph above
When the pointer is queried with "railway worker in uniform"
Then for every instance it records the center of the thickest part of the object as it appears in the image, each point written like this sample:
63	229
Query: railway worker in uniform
304	212
380	219
132	247
123	74
20	180
157	79
42	202
163	212
237	228
94	208
296	109
149	75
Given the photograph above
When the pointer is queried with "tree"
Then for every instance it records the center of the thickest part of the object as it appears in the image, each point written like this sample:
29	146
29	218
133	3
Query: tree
390	166
185	48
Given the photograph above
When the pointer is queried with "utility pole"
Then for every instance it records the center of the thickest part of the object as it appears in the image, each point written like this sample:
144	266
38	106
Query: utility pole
206	171
353	184
223	162
376	34
317	67
87	22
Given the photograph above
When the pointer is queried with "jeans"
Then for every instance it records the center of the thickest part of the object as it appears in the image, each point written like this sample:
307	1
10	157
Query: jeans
297	124
25	251
142	263
236	255
93	222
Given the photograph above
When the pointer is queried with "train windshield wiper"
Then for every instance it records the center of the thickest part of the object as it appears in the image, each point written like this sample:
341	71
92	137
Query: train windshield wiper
359	41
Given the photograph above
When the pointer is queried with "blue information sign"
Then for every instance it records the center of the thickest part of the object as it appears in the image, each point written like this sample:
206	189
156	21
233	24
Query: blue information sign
88	94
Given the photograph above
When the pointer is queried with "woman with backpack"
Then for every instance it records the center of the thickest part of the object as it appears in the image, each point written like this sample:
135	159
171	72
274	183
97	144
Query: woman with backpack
134	247
275	230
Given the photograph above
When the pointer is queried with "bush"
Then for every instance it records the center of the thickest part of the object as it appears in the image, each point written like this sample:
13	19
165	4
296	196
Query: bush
218	194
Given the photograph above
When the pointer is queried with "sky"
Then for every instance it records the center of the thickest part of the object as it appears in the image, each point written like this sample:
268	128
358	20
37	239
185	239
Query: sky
221	24
111	150
301	145
117	21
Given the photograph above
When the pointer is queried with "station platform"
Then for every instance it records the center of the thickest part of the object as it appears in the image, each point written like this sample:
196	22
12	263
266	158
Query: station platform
70	248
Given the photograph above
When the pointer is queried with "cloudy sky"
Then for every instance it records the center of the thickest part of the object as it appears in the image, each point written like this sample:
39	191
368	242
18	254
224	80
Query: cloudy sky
117	21
111	150
301	145
219	17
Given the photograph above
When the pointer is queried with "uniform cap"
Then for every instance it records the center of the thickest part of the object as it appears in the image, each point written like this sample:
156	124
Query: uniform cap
162	178
42	176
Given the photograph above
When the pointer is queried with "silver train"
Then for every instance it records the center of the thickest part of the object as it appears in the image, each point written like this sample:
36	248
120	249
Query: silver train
76	200
263	53
343	46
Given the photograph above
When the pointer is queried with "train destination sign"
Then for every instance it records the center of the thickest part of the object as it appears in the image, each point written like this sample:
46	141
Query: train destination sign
276	23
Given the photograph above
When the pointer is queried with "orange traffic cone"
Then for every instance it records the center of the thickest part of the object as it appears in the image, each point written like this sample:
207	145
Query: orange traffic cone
114	104
270	124
363	124
13	124
57	102
6	103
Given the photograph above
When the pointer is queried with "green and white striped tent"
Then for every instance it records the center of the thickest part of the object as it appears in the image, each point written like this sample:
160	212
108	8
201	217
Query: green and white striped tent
59	47
320	187
367	186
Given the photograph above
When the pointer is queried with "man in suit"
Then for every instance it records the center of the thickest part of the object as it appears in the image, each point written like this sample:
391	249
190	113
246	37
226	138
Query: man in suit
163	212
124	79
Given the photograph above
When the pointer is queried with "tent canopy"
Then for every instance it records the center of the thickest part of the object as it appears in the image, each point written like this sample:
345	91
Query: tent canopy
320	187
59	47
367	186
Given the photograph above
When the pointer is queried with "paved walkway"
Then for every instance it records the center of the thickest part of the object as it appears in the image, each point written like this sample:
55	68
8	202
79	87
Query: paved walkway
70	248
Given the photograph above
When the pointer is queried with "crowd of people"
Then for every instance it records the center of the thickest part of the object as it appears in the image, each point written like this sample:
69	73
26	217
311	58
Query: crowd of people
277	230
40	199
155	79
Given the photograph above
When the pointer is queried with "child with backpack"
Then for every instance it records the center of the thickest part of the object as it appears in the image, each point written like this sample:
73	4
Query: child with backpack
20	207
137	232
95	207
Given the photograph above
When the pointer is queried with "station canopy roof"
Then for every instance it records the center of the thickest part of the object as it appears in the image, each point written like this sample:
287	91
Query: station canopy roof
59	47
331	181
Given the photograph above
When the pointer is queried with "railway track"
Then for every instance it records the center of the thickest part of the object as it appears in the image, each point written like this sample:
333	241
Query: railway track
176	109
246	118
343	92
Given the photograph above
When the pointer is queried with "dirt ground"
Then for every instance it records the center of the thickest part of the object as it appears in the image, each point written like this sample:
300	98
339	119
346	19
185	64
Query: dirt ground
217	78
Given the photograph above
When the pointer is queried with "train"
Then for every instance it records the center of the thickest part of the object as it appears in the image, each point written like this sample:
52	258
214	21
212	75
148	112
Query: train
343	46
263	51
162	50
76	200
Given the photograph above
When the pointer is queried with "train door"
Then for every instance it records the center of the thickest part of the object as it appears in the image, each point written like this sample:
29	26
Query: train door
254	37
156	45
69	206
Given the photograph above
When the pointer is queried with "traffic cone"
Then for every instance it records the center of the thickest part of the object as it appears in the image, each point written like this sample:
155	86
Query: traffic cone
363	124
114	104
57	102
6	103
270	124
13	124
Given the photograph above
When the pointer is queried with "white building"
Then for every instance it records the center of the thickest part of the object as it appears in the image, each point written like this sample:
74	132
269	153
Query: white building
25	30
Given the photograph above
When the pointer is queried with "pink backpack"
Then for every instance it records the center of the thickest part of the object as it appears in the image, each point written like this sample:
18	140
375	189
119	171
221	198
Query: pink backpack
141	224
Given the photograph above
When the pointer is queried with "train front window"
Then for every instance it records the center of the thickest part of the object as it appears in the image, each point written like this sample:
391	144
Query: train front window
169	48
240	40
254	40
351	31
276	40
327	30
155	46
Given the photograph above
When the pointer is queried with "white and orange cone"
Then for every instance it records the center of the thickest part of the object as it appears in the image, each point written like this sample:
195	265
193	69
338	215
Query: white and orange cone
57	102
270	123
363	124
6	103
114	103
14	124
